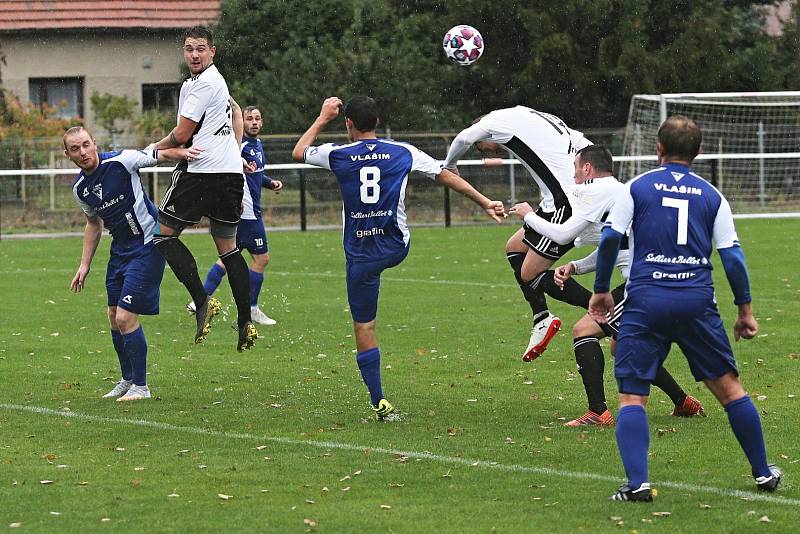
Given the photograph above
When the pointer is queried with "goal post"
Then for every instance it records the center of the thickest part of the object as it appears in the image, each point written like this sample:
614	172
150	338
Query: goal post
751	142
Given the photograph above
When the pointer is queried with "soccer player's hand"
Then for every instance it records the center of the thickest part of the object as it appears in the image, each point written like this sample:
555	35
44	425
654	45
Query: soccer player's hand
277	185
79	279
496	210
563	273
248	168
330	108
521	209
600	305
745	327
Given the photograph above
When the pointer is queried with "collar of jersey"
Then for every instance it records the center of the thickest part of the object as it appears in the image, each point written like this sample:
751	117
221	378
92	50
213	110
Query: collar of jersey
195	76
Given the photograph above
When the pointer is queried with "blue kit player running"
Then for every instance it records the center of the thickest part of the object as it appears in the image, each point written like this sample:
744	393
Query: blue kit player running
674	216
372	175
250	234
110	192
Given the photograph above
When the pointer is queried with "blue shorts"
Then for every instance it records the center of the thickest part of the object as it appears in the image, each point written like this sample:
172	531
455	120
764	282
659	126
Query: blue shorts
653	319
363	283
133	278
251	236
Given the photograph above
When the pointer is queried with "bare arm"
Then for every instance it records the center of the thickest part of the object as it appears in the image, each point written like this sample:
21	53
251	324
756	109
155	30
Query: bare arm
330	110
178	154
91	238
238	121
179	135
493	208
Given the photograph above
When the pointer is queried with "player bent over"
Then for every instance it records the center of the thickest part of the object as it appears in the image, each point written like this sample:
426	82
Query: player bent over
372	175
546	147
675	219
110	192
592	198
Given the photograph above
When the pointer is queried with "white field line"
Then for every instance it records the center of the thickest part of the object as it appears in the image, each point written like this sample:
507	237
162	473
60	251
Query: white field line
452	460
341	275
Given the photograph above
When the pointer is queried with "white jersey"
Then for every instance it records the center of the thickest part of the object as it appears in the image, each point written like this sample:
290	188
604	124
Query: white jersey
205	100
592	201
542	142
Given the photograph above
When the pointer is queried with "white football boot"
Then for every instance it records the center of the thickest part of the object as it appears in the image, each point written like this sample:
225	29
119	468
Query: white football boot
135	393
542	333
258	316
119	390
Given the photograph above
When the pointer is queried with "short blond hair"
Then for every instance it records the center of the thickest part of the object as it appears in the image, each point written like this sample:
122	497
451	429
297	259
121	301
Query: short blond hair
75	130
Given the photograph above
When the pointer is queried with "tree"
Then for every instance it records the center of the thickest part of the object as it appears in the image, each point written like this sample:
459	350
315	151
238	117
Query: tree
109	109
580	60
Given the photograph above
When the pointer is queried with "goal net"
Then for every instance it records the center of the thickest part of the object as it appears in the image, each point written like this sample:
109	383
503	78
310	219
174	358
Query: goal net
751	143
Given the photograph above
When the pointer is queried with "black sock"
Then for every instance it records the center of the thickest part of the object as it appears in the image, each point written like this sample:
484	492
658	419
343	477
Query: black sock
668	385
534	295
573	293
183	264
239	278
591	364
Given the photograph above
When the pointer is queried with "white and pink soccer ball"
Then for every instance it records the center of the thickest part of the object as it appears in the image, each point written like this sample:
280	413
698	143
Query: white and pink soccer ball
463	45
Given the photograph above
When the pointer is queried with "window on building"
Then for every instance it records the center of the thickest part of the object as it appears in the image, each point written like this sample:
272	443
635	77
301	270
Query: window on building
160	96
65	94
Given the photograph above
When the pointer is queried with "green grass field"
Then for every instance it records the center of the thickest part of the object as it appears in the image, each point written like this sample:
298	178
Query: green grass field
280	438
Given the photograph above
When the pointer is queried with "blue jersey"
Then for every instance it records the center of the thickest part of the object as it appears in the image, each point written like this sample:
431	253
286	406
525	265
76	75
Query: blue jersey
114	192
675	216
253	151
372	176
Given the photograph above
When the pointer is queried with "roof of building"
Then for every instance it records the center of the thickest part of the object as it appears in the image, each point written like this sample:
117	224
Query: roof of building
105	14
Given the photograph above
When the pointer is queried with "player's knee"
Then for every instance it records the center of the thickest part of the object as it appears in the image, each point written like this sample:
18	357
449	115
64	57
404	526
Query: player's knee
127	321
260	262
586	327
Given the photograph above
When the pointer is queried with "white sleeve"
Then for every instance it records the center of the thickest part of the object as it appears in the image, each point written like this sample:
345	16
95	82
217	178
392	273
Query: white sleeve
589	263
319	155
621	214
423	163
87	209
588	203
465	139
563	233
196	101
724	229
136	159
586	264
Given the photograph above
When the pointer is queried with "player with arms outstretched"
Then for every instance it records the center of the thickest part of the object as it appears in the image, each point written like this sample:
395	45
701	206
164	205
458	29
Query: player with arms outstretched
675	219
372	175
546	147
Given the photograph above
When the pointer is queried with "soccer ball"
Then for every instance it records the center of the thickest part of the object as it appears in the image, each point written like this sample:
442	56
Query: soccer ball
463	44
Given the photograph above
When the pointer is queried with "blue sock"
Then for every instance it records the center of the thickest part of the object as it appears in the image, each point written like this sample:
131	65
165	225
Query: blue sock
119	346
136	349
369	363
256	279
213	278
633	440
746	425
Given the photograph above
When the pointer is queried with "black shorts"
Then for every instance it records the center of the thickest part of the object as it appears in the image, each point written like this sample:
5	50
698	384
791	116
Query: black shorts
192	196
542	245
611	328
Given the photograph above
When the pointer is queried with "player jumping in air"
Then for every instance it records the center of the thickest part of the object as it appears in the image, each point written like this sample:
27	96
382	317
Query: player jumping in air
546	147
